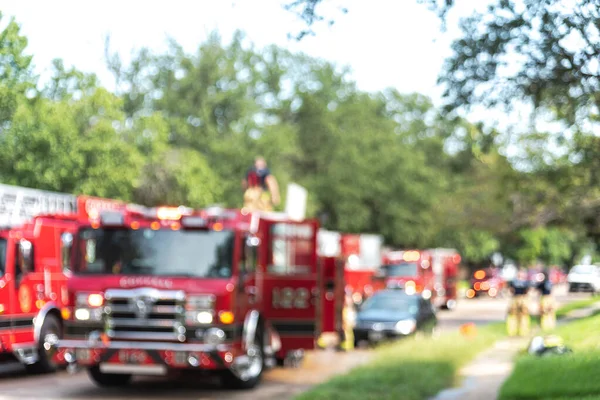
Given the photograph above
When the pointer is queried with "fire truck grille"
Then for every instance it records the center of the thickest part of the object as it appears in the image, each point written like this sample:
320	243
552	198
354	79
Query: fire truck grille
145	314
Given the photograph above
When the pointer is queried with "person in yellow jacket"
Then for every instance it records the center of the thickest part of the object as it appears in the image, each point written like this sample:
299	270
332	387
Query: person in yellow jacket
348	323
547	309
518	319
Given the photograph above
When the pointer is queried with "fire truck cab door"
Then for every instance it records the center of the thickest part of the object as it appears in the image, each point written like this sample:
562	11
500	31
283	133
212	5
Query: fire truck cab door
289	282
21	288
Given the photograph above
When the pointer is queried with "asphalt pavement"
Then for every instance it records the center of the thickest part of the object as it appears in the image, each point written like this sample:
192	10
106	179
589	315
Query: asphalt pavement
280	383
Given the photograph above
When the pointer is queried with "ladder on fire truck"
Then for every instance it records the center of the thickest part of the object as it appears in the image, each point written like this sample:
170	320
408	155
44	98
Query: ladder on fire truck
20	204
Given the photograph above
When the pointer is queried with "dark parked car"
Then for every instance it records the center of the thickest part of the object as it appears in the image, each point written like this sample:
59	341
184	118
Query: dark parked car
392	314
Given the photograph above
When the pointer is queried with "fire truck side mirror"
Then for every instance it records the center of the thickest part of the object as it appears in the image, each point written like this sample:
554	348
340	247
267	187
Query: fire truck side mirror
26	250
66	240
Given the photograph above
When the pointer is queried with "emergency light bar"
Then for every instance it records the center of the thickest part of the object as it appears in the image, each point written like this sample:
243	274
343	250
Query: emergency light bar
170	213
411	256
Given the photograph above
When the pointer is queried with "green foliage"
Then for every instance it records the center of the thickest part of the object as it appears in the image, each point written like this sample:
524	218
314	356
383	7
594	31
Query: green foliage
476	245
16	77
552	246
179	177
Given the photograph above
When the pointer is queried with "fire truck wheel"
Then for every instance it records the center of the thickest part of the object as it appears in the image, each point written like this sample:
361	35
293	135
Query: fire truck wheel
108	380
49	334
250	374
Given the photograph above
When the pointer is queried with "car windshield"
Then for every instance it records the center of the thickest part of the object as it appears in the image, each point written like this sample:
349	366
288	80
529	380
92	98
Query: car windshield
584	269
207	254
399	270
391	302
2	256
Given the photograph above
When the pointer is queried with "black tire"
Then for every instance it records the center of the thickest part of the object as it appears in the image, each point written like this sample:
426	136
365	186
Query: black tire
232	381
45	364
108	380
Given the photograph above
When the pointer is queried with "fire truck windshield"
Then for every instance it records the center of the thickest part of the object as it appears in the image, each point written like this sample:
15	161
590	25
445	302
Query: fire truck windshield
2	256
204	254
403	269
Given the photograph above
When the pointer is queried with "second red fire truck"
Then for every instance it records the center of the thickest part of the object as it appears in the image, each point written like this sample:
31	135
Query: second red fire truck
37	228
431	272
160	290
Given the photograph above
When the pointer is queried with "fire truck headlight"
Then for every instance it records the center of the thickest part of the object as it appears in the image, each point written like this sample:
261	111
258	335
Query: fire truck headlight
89	300
82	314
214	336
410	290
426	294
357	297
406	326
204	317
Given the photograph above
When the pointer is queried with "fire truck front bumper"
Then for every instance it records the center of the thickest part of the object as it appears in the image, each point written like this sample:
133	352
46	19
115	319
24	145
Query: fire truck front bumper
145	358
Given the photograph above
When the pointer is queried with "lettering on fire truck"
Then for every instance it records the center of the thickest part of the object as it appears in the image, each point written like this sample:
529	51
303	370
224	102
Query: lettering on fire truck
127	282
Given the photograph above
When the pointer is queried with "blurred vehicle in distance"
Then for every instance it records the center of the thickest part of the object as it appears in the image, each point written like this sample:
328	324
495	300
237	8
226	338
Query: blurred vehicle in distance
584	278
557	275
486	281
431	272
392	313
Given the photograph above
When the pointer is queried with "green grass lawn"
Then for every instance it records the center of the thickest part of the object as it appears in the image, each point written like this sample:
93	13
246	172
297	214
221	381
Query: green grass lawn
408	369
561	377
562	311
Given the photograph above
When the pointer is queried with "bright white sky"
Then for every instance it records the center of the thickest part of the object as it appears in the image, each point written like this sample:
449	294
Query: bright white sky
394	43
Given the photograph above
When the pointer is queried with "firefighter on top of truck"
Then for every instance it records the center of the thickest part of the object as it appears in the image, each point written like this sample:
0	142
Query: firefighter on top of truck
261	188
517	320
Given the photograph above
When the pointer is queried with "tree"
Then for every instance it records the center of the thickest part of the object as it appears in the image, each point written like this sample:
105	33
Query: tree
178	177
16	76
307	11
541	51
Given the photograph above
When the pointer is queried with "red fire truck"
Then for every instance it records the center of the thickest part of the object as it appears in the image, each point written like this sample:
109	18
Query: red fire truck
431	272
165	290
36	227
361	255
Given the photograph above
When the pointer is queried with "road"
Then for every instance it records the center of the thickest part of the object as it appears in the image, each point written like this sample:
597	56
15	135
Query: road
485	310
279	383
